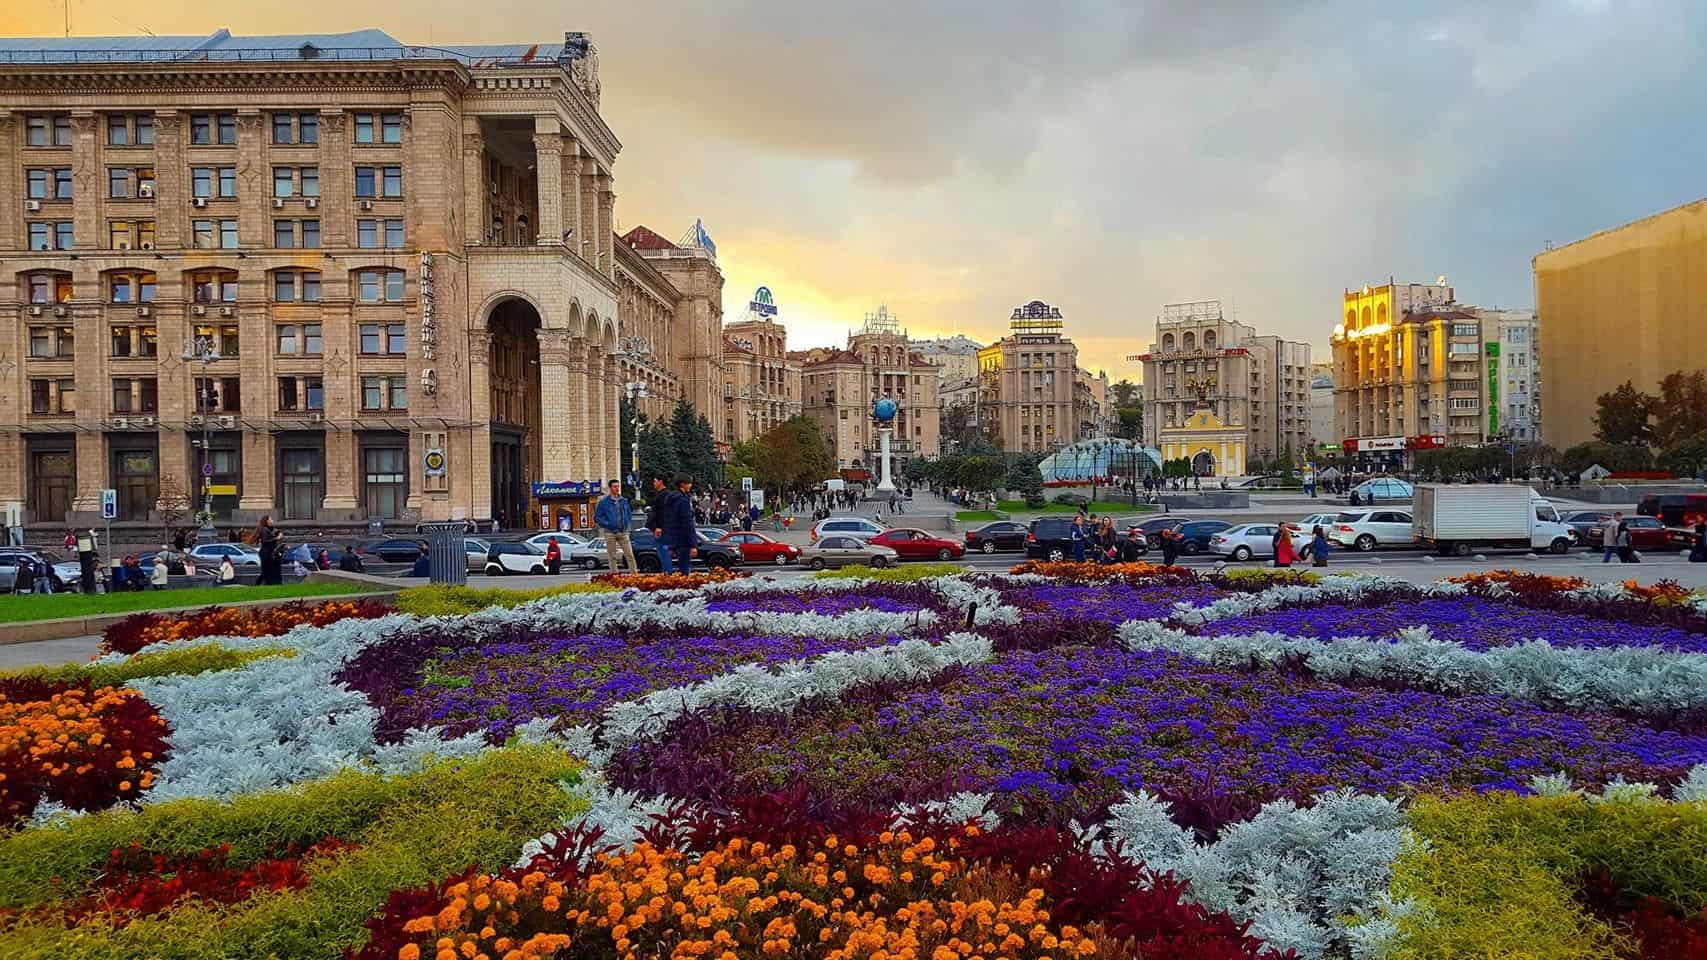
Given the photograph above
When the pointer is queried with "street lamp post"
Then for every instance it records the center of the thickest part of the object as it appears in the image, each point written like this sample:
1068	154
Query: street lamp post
206	351
637	350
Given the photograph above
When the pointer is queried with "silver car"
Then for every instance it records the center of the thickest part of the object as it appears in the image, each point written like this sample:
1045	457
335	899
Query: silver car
1249	540
841	550
209	554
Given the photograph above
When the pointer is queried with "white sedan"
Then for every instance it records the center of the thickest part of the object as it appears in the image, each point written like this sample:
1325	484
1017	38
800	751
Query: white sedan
1314	520
1368	529
1249	540
209	554
564	540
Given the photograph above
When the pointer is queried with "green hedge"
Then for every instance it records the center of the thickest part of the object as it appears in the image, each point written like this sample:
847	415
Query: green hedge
1496	875
904	574
182	662
41	606
412	830
444	601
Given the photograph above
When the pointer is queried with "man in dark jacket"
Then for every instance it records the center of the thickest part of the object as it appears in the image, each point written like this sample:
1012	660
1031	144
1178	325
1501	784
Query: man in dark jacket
655	521
676	526
349	562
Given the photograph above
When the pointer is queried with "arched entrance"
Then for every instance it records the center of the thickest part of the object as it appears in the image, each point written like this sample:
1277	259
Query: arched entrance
514	404
1203	465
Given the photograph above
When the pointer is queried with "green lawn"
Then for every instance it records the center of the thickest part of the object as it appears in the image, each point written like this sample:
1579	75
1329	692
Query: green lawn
15	609
1096	506
976	516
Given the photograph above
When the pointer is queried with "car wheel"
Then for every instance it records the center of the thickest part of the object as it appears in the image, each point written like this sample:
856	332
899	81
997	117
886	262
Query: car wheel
1458	549
1561	546
878	563
537	570
1365	543
1056	555
1191	548
493	570
1241	553
945	554
717	563
817	563
781	559
649	564
589	564
989	546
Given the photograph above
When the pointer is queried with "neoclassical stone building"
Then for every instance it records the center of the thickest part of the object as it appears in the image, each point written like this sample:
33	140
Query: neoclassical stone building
401	257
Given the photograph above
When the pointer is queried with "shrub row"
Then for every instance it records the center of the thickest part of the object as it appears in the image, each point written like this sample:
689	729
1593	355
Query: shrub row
443	601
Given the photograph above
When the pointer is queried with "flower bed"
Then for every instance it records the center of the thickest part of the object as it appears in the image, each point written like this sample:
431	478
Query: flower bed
1122	761
68	744
140	630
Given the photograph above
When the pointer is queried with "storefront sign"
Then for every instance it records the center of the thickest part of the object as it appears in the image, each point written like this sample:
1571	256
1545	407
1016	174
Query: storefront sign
1380	444
222	489
434	462
429	325
1431	442
556	489
1493	351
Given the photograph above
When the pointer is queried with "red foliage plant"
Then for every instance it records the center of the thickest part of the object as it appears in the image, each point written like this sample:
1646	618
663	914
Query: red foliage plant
84	748
137	884
1659	930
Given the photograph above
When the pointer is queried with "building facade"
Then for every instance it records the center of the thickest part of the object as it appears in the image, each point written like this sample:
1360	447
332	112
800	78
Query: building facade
1511	348
840	385
339	277
956	357
1026	383
1091	399
761	386
1203	359
1410	371
692	285
1622	305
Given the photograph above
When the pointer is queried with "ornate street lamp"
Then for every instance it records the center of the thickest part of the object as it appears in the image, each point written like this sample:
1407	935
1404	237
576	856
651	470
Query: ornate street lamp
206	350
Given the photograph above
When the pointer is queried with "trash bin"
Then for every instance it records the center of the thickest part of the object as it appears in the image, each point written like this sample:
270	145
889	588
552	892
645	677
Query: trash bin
447	559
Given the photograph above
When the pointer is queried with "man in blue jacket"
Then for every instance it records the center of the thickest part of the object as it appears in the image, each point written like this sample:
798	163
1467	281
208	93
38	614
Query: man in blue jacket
676	528
613	516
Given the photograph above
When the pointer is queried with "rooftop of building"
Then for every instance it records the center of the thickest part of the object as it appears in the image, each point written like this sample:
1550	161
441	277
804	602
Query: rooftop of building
1693	207
222	45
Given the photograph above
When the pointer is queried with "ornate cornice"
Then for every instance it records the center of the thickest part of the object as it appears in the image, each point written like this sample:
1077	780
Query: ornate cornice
216	77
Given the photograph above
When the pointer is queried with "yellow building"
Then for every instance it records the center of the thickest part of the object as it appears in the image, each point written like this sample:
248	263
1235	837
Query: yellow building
1408	364
1625	304
1213	448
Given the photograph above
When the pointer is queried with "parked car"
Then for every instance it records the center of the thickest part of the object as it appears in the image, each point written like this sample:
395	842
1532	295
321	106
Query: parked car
758	548
1314	520
1587	523
1003	535
840	550
1195	534
507	558
210	554
1383	488
564	540
395	550
1050	538
65	574
1249	540
587	556
861	527
1368	529
715	533
305	553
712	553
474	550
1151	527
1676	510
1272	481
1646	533
914	544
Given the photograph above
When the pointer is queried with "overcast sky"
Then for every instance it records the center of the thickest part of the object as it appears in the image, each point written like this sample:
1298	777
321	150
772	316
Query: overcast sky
956	159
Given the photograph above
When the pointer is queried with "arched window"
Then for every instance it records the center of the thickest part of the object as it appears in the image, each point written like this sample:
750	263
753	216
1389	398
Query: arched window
523	238
1167	343
1208	339
47	286
498	235
379	286
1188	342
126	286
296	286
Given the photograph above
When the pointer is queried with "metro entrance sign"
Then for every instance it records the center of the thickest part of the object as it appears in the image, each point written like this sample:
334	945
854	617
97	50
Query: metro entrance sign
109	504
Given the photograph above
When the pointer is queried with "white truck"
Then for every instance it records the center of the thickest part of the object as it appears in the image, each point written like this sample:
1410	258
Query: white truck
1459	519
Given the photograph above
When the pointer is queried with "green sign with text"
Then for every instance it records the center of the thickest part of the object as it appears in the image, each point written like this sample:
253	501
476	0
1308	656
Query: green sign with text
1493	351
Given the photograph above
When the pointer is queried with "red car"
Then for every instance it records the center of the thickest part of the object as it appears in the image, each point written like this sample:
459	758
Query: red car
758	548
1646	533
912	544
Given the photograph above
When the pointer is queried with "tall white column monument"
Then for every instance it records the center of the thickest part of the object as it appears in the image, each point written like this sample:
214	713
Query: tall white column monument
883	413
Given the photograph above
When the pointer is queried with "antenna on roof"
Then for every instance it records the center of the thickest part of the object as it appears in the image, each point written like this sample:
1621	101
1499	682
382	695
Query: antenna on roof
68	18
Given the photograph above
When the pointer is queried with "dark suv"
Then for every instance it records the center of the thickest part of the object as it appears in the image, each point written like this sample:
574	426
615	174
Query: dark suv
712	553
1050	538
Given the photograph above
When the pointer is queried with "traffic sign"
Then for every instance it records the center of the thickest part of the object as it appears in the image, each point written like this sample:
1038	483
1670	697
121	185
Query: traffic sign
109	504
207	469
746	484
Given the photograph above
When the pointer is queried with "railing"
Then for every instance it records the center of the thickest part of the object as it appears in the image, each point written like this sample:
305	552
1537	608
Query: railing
261	54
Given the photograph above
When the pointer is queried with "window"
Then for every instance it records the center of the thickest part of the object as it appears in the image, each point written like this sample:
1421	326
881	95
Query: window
284	181
213	128
370	233
213	181
286	335
311	339
386	338
314	393
224	337
130	234
118	130
294	181
308	128
378	128
1464	403
379	181
391	182
50	235
310	234
131	288
134	340
398	398
49	183
212	286
149	390
373	392
47	132
380	286
121	396
1466	330
49	287
53	396
41	342
289	234
296	128
385	472
391	127
214	234
287	393
128	183
292	286
310	181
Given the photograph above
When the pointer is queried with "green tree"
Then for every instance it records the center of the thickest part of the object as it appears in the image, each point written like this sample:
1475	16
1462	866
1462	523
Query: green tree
1623	416
1685	458
791	456
1131	423
1680	411
1025	479
1616	457
657	455
1125	392
690	434
980	473
916	470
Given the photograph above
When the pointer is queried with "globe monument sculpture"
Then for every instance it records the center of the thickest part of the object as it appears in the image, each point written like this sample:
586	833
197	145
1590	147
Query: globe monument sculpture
883	412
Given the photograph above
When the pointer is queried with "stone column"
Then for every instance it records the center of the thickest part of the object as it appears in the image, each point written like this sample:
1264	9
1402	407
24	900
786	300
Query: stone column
254	191
563	406
474	188
569	193
171	185
88	182
613	418
548	172
12	231
343	475
606	225
589	223
480	439
258	475
338	333
337	183
596	439
93	469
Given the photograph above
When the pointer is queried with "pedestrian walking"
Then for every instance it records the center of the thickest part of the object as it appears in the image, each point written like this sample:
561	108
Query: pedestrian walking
553	557
1170	547
1626	547
1079	538
1283	546
1609	537
613	516
1319	547
227	574
270	541
678	526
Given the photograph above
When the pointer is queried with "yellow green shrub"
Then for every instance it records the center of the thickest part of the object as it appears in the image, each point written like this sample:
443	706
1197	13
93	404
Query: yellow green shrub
187	661
1496	876
443	601
1268	576
906	574
411	831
